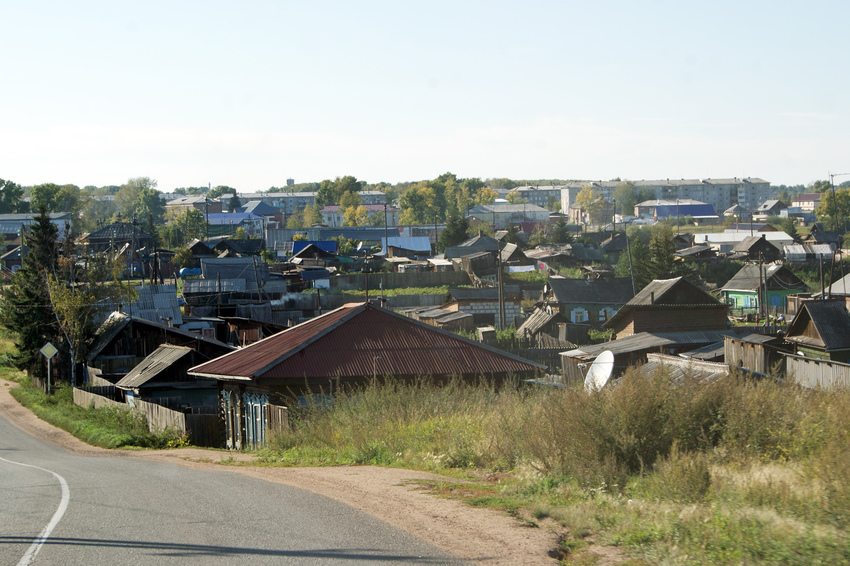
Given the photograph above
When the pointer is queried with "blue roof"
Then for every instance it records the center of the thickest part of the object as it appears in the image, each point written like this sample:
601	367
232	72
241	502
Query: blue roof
665	210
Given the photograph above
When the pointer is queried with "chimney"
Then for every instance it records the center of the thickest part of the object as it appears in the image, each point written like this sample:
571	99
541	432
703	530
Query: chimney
562	331
652	297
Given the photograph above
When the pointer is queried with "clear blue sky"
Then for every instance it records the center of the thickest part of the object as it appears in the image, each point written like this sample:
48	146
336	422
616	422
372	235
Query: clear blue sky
247	94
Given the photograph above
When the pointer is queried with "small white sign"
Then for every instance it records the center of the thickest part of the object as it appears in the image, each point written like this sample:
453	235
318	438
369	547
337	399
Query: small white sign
48	350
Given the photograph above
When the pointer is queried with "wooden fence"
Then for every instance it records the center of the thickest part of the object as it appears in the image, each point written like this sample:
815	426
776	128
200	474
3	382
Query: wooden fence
817	374
277	417
203	425
100	396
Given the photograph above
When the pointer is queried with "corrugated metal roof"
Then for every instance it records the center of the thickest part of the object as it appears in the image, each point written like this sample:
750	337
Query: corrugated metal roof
191	286
157	303
159	361
677	368
650	340
358	339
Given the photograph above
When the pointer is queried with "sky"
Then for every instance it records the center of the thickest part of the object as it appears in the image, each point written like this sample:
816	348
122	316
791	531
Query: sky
248	94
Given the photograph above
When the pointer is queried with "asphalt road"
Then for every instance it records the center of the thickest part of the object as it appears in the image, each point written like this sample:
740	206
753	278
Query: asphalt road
119	510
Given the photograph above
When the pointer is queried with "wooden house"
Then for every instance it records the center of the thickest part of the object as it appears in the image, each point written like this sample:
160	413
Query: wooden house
590	301
483	305
162	378
746	291
756	248
116	236
821	330
346	347
669	305
123	341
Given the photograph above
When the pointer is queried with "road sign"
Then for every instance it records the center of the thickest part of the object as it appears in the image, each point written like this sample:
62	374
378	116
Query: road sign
48	350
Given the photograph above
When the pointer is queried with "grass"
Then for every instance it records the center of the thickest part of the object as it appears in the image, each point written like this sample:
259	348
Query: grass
727	472
104	427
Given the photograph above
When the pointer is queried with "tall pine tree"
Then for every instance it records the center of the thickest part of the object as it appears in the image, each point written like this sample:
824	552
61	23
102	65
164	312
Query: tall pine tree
26	310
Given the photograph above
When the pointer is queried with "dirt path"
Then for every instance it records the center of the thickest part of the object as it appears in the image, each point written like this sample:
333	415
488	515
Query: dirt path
481	535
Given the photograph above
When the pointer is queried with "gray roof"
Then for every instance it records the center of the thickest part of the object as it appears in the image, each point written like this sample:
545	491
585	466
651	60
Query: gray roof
656	292
537	320
477	294
605	291
159	361
157	303
193	286
247	268
677	368
651	340
831	321
747	243
748	278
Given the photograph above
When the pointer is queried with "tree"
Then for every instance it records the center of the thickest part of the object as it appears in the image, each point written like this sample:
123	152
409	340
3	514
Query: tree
820	187
330	192
233	203
183	258
10	198
356	216
590	202
25	307
626	194
240	234
513	197
454	232
219	191
138	197
834	209
561	233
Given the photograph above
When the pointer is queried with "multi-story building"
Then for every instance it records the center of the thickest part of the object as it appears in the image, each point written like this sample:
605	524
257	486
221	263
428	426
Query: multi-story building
748	192
290	203
540	196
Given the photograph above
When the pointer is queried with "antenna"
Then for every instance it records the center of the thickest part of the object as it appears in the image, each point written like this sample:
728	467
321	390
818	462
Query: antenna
599	372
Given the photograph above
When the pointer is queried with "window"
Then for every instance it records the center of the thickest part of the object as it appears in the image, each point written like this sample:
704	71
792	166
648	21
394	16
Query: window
578	315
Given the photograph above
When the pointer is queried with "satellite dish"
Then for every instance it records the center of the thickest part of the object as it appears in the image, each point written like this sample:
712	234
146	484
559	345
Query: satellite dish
599	372
359	246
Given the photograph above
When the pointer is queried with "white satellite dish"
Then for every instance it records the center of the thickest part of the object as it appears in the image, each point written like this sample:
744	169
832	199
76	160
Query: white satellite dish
599	372
359	246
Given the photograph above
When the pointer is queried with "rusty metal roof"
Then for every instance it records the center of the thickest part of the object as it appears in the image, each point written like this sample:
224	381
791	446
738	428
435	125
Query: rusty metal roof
357	340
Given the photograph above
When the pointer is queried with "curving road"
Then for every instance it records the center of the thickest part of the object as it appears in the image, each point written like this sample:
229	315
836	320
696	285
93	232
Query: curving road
118	510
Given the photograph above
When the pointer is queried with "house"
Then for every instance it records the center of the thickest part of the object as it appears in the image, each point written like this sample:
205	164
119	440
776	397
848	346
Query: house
479	243
669	305
273	216
194	202
699	252
632	350
344	348
546	328
483	305
116	236
768	208
162	378
806	202
11	224
818	235
745	292
226	223
13	259
723	242
590	301
504	215
821	330
123	341
756	248
409	246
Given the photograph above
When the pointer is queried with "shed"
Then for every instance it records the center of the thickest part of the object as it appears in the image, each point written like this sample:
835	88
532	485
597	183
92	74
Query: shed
162	378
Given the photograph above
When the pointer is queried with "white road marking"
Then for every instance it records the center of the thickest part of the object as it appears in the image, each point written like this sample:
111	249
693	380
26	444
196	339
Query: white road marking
57	516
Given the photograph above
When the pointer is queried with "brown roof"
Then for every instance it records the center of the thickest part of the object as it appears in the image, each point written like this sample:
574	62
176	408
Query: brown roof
356	340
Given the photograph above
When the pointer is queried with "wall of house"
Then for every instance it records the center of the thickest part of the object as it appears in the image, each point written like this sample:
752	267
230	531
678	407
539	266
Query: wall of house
678	320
